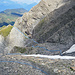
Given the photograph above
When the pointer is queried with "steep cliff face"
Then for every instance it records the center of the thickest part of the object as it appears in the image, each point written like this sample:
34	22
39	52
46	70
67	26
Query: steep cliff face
29	20
58	26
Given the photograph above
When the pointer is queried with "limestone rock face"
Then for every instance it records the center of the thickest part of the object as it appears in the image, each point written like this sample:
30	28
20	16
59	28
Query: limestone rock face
2	44
1	39
30	19
15	38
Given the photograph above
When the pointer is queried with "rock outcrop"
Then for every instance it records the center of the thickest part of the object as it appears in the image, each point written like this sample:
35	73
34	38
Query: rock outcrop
58	26
15	38
2	45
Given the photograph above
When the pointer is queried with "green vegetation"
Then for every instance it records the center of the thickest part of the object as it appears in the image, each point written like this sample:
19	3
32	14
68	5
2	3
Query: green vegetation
2	27
5	30
19	49
25	50
9	16
40	24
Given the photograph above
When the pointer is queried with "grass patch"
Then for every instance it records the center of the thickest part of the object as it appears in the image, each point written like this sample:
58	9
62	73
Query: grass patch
40	24
2	27
72	69
5	30
20	49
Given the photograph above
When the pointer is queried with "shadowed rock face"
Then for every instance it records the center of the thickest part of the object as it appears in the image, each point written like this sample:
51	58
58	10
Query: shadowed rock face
29	20
58	26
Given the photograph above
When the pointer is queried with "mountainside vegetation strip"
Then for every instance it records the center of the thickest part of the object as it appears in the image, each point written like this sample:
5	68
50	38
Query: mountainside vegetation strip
5	30
10	15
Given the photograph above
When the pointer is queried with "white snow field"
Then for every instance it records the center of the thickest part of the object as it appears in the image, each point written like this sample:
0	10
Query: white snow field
72	49
51	57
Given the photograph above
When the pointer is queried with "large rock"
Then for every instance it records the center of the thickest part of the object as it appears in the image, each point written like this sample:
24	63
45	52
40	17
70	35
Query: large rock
1	39
15	38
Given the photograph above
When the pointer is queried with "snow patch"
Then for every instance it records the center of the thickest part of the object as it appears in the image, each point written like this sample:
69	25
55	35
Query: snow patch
72	49
51	57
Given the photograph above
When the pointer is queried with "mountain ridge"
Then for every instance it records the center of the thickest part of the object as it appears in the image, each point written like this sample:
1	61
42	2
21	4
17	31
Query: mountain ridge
14	5
10	15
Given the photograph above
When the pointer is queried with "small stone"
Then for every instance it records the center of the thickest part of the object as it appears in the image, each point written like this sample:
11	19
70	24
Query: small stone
39	59
43	64
59	71
71	71
6	67
20	65
73	61
56	70
12	57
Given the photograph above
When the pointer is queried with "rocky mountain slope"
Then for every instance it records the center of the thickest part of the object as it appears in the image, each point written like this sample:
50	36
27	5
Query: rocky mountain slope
54	20
58	26
21	65
29	20
52	24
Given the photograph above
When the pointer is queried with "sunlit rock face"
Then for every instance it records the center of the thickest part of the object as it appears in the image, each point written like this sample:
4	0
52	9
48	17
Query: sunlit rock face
2	44
1	39
15	38
30	19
